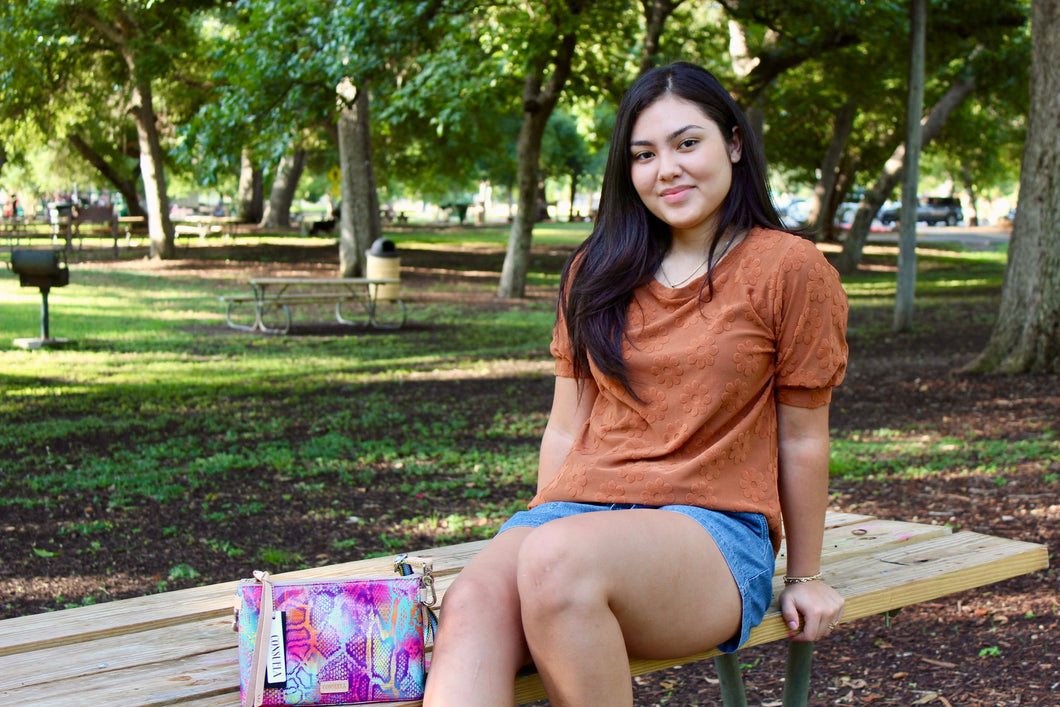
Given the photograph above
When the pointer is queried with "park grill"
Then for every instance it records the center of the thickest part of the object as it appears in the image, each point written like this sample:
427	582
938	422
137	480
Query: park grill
43	269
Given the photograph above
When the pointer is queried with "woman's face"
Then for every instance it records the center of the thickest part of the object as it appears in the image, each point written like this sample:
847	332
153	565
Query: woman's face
682	165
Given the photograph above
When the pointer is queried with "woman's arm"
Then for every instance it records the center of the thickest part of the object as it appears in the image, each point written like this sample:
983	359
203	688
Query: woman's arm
808	607
571	403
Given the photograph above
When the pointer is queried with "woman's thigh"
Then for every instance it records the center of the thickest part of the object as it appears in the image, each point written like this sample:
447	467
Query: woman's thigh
661	573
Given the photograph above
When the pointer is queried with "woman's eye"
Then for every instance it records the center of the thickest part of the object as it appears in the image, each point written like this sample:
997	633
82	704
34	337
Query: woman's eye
642	156
688	143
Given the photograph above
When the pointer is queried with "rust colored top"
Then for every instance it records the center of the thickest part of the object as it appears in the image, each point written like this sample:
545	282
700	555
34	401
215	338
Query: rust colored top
710	374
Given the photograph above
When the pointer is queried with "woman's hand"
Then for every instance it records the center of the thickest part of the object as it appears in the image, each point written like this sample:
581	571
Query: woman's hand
811	610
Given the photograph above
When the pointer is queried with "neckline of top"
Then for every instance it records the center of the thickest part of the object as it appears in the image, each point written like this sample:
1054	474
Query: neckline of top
682	292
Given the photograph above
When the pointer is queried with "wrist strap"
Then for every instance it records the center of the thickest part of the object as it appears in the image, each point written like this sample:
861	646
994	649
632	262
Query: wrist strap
256	679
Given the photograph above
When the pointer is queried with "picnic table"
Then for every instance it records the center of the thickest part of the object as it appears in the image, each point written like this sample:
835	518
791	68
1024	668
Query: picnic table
204	226
377	297
178	648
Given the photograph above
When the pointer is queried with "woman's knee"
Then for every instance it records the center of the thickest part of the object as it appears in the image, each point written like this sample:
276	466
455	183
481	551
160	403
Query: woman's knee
555	575
480	600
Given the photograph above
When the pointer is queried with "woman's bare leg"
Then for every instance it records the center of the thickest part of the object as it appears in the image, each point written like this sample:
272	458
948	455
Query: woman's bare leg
480	643
599	587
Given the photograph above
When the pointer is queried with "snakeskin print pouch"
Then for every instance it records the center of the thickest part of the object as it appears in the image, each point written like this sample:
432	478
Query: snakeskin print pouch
332	642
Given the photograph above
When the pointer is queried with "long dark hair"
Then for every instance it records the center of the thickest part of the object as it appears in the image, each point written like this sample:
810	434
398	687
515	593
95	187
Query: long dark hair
628	242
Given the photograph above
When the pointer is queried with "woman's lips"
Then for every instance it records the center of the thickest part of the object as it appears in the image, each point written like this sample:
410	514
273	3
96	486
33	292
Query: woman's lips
674	194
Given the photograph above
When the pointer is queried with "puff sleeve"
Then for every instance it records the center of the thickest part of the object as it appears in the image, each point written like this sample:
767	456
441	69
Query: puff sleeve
561	348
810	320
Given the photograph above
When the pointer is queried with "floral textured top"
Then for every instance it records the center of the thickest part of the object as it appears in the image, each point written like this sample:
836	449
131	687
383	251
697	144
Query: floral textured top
709	375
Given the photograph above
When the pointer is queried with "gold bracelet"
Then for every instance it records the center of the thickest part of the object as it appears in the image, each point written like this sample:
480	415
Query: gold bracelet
800	580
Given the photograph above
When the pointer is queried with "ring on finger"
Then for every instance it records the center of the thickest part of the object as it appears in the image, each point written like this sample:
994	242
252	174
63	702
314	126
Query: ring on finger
831	626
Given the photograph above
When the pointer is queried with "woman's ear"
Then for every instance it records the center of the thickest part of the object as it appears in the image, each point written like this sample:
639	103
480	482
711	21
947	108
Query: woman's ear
735	145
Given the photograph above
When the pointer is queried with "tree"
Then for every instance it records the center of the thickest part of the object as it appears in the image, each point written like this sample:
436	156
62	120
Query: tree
285	181
286	69
903	305
60	48
250	194
981	31
359	217
111	164
566	153
1026	337
892	172
546	73
656	13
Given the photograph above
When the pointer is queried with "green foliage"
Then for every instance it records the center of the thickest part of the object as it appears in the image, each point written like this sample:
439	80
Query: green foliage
279	559
182	571
447	78
69	68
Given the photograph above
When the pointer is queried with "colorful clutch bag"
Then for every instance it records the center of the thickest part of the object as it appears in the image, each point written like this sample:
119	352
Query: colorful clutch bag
333	641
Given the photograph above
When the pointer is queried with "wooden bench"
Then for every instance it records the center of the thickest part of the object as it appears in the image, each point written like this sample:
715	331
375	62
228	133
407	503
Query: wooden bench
382	307
15	232
179	647
98	221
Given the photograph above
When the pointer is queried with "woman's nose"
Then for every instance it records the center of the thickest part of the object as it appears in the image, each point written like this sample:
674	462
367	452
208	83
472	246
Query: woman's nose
669	166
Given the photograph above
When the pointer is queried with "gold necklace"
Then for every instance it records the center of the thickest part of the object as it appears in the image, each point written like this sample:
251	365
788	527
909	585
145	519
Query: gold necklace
673	285
728	246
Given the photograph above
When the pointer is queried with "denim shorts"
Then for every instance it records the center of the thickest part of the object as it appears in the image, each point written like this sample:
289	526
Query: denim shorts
742	537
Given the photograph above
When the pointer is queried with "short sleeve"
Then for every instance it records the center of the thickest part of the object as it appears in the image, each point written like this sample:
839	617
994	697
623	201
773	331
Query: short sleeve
561	349
811	321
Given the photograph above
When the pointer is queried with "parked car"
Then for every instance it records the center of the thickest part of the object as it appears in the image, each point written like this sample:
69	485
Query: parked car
931	210
795	213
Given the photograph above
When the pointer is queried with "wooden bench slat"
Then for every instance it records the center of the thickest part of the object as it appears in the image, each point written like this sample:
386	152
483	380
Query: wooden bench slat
868	536
115	618
165	683
115	653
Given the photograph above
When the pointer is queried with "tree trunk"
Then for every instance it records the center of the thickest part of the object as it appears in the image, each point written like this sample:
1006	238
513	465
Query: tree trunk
972	213
250	199
656	12
573	193
288	172
359	222
1026	337
892	173
538	104
743	64
159	225
821	203
125	186
903	301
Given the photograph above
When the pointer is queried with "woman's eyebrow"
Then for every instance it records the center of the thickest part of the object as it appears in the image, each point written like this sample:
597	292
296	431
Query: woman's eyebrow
669	138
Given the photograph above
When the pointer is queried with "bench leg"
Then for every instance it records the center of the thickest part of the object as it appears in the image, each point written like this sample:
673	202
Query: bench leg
797	679
229	306
731	680
261	308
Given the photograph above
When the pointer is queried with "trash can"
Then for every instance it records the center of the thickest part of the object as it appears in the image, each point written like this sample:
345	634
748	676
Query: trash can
384	263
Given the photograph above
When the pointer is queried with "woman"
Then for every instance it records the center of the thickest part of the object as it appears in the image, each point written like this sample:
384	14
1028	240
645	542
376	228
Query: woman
696	347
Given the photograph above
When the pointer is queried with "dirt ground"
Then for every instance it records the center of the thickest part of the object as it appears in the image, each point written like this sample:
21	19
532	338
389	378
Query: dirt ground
996	646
